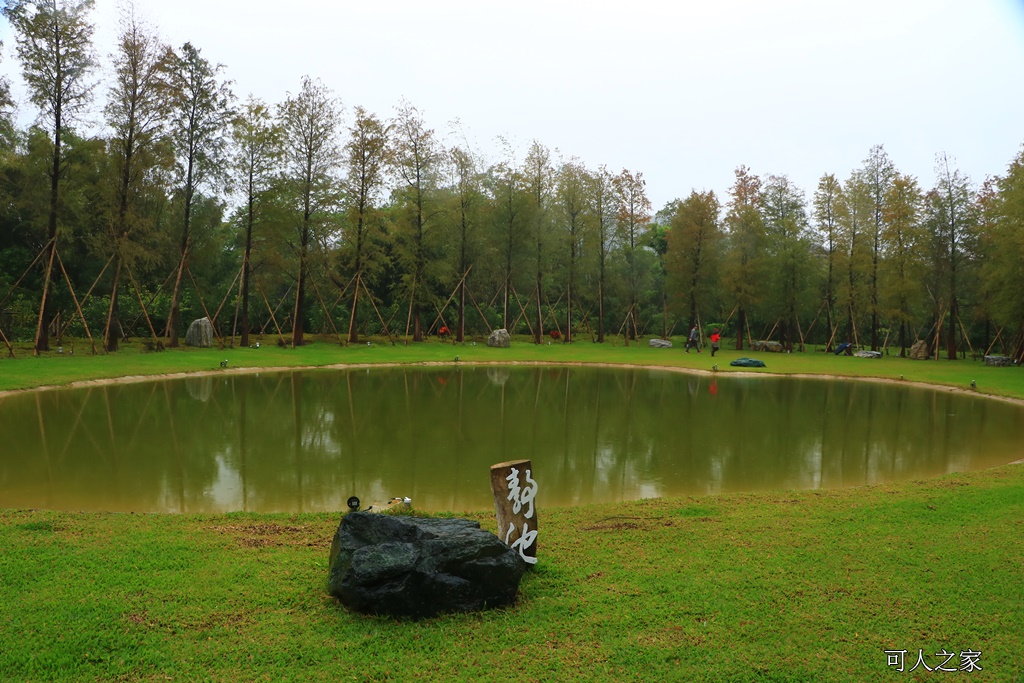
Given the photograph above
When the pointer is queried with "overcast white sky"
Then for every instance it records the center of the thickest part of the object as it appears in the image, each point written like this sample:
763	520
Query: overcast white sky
680	91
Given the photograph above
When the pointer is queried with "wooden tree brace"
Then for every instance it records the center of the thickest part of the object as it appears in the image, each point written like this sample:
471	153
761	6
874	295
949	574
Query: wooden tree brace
74	298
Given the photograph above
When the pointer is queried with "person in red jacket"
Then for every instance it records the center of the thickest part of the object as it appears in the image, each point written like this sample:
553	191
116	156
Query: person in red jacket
715	337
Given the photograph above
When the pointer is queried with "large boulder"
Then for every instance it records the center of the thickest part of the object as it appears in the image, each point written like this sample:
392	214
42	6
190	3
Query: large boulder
999	361
918	350
418	567
660	344
747	363
771	346
499	339
868	354
200	333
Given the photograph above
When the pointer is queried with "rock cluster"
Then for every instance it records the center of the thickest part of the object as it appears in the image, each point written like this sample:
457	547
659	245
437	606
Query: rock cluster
660	344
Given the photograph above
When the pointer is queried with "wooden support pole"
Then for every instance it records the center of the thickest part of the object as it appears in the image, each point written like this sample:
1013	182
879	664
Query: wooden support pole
379	316
999	333
87	294
443	322
623	325
10	349
42	304
343	291
225	299
482	316
552	316
515	492
885	342
238	304
316	290
963	331
30	266
452	296
151	299
522	311
408	320
138	295
355	305
938	331
74	298
213	321
272	316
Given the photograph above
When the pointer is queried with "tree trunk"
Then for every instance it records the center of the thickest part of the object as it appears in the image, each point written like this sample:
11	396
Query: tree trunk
741	321
539	332
42	342
353	333
300	296
245	275
460	335
951	345
568	311
174	322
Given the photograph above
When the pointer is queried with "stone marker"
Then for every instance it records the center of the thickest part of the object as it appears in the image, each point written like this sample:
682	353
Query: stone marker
918	350
200	333
999	361
771	346
514	492
418	567
499	339
660	344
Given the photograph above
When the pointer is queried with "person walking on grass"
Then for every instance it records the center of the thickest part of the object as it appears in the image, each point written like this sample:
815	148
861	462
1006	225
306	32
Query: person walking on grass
715	337
693	341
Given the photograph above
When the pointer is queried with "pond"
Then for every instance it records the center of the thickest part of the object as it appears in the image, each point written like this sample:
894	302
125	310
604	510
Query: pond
306	441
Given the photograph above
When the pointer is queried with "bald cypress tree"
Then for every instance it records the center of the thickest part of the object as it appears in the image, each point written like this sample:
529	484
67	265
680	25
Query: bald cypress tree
54	45
136	114
200	102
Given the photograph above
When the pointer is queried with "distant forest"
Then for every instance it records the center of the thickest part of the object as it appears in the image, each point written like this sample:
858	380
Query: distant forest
299	217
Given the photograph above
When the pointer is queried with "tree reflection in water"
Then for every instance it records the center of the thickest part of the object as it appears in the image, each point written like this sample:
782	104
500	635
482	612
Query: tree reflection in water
306	441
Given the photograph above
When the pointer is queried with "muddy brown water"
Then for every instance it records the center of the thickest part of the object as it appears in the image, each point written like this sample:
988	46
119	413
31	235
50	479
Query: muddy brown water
306	441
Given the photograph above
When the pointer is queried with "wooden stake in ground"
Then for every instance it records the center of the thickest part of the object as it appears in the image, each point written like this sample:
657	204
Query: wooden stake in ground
514	492
74	298
482	316
157	344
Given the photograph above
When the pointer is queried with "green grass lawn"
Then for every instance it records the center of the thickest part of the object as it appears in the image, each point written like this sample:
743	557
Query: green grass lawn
780	586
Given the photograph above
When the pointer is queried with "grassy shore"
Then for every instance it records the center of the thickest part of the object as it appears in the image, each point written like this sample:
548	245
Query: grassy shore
781	586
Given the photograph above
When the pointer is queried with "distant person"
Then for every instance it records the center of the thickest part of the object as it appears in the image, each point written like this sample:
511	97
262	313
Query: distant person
692	341
715	338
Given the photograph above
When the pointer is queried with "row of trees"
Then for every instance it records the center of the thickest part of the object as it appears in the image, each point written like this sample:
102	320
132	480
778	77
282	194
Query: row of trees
298	215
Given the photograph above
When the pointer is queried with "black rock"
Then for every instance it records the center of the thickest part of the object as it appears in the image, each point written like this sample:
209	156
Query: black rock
418	567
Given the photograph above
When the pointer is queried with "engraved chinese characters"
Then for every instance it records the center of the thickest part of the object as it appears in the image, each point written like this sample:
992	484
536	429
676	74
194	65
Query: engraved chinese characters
515	490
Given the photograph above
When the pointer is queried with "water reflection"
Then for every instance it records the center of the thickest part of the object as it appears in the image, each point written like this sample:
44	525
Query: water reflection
306	441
